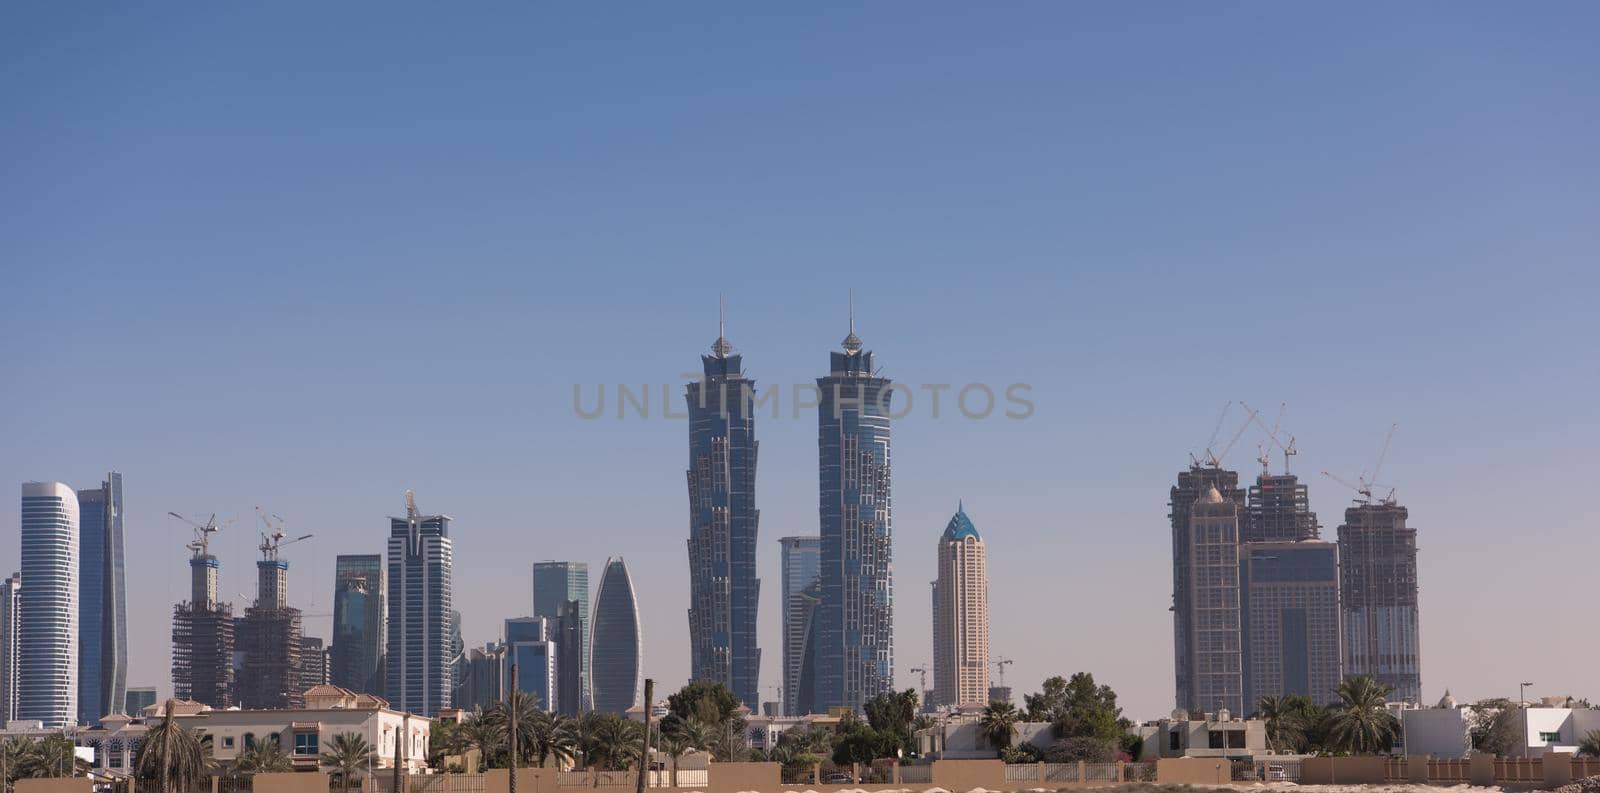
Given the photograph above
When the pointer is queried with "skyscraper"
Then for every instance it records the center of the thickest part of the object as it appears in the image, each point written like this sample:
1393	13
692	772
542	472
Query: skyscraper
723	520
567	631
616	653
10	622
48	674
802	561
556	584
961	617
360	605
270	637
1215	656
1290	617
531	648
202	630
1278	509
418	658
102	603
856	616
1192	484
313	663
1378	588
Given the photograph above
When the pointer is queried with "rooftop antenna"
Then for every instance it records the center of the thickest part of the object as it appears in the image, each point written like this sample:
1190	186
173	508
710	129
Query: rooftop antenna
852	343
721	347
411	504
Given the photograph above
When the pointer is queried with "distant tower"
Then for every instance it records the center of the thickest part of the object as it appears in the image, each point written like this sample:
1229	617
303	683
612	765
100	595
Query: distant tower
1378	586
616	652
102	603
1290	617
531	647
202	630
270	637
360	616
419	657
48	682
1214	596
856	617
10	622
1279	510
1192	484
802	561
567	631
961	617
556	584
723	520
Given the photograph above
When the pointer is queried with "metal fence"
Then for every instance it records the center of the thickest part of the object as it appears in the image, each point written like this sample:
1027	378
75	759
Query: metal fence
1139	772
918	774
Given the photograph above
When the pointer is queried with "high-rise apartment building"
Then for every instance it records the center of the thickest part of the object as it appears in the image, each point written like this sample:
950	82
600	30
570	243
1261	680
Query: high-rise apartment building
856	617
313	663
202	632
48	662
556	584
961	617
102	603
360	606
1290	617
1192	485
10	647
480	686
802	562
723	522
616	652
531	651
1378	589
419	655
1215	655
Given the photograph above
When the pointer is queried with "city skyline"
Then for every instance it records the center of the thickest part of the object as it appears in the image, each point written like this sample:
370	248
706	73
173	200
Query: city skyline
316	282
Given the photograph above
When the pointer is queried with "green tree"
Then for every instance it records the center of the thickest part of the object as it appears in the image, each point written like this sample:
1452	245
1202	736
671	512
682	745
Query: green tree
478	732
1360	723
859	742
1590	745
892	714
347	755
716	707
265	757
174	757
1050	700
608	741
1085	748
547	735
1284	728
1493	726
50	757
13	755
999	725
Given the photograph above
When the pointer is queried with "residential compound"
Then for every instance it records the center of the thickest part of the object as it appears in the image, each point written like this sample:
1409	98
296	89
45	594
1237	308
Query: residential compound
724	592
961	617
1263	606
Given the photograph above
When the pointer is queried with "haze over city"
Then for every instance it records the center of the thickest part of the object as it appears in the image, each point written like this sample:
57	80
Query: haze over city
253	259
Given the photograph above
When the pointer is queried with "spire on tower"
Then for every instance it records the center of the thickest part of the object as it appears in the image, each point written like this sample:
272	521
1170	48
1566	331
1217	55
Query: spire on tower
852	343
721	347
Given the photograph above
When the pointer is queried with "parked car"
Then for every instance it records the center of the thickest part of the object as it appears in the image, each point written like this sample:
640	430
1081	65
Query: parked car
838	779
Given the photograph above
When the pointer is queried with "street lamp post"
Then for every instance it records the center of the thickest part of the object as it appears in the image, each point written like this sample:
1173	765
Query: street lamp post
1522	698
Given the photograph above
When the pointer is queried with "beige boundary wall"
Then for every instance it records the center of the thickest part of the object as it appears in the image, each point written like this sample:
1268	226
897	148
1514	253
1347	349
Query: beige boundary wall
78	785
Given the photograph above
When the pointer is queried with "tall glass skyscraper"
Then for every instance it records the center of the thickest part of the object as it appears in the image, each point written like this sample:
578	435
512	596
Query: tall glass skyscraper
616	654
529	645
102	603
802	561
555	586
360	605
856	616
48	658
418	660
10	621
724	592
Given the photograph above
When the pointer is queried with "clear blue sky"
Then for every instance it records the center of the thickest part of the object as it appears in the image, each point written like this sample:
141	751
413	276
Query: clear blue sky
309	255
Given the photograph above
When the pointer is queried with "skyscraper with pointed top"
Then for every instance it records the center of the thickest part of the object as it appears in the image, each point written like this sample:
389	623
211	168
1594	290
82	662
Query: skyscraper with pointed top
961	616
418	659
724	592
855	619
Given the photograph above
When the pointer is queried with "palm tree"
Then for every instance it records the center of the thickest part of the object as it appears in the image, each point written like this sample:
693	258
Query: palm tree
13	755
174	756
547	735
349	754
609	741
49	757
266	757
479	732
1360	723
999	724
1590	745
679	735
1283	717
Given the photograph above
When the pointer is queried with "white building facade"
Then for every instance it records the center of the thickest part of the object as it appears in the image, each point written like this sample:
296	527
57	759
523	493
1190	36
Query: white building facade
47	688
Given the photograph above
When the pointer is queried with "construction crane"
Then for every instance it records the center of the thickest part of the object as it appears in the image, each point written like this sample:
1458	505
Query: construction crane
1214	459
273	540
923	672
1000	665
1272	434
201	544
1369	484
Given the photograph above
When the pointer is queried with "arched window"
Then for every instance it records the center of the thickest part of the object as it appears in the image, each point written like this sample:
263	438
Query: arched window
249	740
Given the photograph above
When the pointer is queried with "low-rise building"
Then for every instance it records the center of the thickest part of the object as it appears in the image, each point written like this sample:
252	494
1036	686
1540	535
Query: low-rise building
1441	731
960	736
1554	729
1218	735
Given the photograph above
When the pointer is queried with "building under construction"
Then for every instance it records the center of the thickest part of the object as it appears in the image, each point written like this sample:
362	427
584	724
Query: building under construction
1279	510
1378	586
269	635
202	630
1193	483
